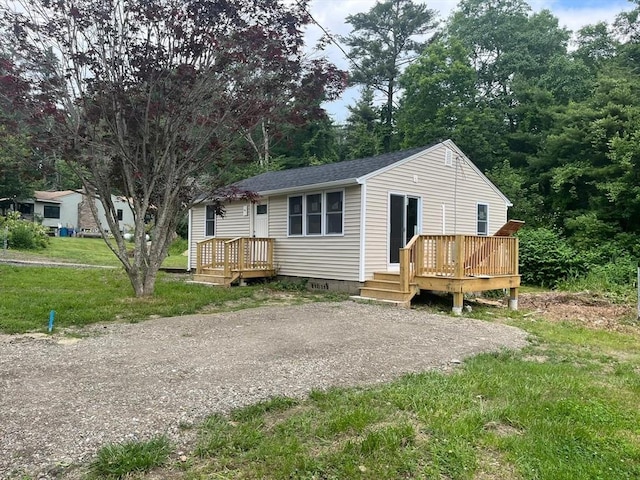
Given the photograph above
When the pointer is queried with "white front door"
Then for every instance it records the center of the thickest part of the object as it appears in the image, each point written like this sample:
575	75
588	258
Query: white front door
260	220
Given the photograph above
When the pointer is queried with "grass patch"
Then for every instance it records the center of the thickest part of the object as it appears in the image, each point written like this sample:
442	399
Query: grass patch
117	461
91	251
83	296
564	407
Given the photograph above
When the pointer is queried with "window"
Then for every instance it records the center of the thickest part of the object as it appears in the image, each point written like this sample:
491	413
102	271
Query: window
334	213
119	214
210	221
295	215
261	209
25	208
51	211
483	219
316	214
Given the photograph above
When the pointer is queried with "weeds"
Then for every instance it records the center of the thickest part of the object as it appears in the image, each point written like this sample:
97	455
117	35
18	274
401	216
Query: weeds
117	461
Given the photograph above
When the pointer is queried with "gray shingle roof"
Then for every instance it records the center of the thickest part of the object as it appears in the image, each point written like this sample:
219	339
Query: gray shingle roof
331	172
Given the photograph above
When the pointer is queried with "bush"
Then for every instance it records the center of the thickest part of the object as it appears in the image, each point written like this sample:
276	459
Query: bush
617	279
23	234
546	259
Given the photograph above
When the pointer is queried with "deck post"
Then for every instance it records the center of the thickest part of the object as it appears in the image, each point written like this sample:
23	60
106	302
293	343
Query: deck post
404	269
270	253
419	260
458	301
198	259
241	254
458	270
227	259
513	298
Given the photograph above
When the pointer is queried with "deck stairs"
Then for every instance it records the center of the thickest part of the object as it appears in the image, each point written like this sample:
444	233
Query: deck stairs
216	276
385	287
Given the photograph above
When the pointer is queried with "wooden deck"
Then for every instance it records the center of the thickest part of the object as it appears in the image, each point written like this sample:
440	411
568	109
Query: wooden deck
224	261
450	263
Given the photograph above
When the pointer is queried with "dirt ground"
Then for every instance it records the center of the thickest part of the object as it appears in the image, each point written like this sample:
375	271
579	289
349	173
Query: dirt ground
584	308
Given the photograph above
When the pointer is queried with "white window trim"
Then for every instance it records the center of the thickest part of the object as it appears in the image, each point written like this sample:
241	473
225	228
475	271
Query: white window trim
486	234
323	213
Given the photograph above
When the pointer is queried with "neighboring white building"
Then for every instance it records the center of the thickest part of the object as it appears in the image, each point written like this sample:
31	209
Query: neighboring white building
67	211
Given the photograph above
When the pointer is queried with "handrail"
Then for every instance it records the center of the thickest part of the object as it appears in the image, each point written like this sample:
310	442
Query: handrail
234	254
411	258
462	256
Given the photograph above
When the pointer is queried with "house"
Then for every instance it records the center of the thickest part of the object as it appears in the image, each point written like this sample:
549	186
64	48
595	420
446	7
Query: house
361	225
68	211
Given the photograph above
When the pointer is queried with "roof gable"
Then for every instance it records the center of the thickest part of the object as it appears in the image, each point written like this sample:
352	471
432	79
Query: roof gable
348	172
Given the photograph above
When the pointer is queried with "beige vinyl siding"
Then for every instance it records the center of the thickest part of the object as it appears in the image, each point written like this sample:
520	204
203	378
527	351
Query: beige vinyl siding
233	224
458	187
236	221
197	231
328	256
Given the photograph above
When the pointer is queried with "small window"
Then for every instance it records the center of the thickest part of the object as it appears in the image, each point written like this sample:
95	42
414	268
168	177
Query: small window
210	221
51	211
314	214
295	215
334	213
483	219
119	214
261	209
25	208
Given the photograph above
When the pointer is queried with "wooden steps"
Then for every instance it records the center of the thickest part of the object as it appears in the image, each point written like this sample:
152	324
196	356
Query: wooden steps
385	286
216	277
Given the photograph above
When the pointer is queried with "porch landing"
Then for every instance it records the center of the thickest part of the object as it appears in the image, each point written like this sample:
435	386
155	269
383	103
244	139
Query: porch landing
455	264
386	287
218	276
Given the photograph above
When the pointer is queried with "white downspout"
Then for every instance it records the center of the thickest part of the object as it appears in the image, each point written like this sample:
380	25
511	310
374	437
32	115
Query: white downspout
363	230
189	240
444	219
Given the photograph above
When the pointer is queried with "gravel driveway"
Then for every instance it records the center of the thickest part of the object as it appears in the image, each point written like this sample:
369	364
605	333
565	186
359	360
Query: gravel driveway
61	398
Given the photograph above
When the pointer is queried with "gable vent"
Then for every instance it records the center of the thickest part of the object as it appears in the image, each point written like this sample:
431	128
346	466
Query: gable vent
448	157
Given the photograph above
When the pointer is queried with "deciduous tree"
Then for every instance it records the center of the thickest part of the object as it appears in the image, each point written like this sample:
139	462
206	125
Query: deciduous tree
152	92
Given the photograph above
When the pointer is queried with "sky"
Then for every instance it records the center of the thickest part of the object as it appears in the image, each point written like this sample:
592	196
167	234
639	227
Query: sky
572	14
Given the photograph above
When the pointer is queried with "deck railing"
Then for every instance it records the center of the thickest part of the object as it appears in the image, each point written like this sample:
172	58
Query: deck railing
457	256
234	254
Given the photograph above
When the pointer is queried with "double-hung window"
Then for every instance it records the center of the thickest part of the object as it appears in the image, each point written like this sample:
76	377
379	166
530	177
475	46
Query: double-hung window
51	211
483	219
315	214
334	214
210	221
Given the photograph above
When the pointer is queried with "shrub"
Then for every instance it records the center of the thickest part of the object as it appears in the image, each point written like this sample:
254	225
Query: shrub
23	234
617	279
546	259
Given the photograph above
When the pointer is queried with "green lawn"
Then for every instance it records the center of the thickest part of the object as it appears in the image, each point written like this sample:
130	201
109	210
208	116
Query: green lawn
566	407
91	251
